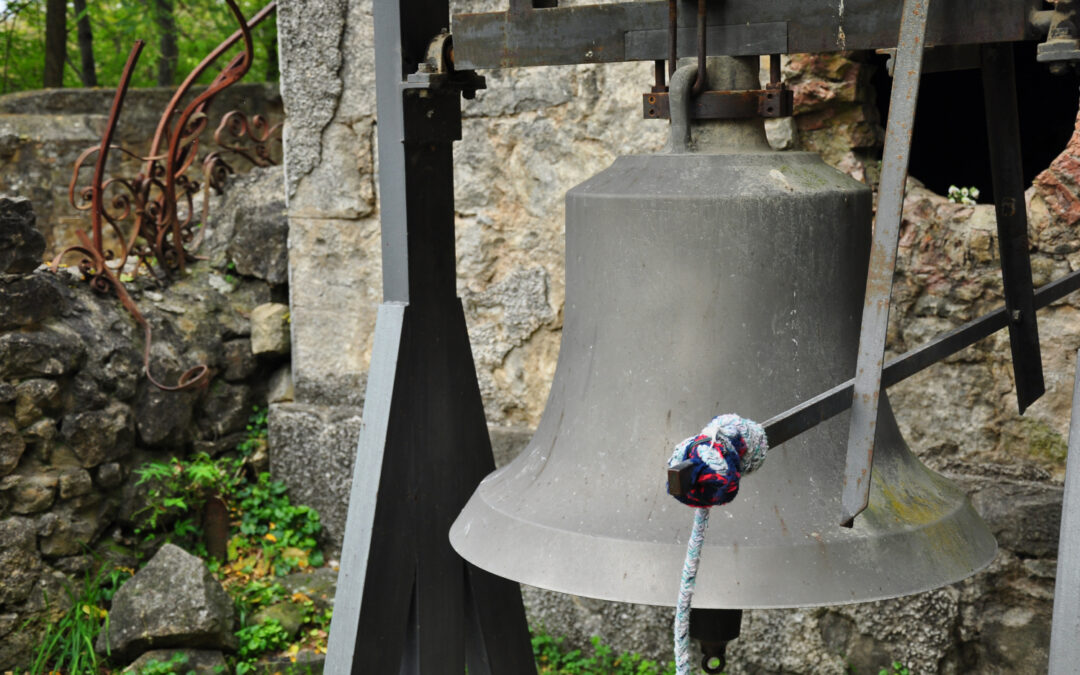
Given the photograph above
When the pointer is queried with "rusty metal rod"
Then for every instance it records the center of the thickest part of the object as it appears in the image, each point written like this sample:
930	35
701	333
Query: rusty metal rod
106	141
699	83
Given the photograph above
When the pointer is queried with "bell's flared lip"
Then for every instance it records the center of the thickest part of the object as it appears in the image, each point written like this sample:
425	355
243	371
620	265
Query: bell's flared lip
865	566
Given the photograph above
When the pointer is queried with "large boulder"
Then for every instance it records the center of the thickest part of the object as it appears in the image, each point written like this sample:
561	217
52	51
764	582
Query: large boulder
21	244
172	602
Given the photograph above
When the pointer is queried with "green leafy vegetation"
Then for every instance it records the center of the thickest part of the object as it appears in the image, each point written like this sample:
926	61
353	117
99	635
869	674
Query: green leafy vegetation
896	668
197	27
552	658
68	644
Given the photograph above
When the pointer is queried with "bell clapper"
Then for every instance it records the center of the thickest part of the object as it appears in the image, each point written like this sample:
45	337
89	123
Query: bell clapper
714	629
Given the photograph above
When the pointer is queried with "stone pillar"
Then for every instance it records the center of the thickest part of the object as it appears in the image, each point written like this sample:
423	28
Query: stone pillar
328	90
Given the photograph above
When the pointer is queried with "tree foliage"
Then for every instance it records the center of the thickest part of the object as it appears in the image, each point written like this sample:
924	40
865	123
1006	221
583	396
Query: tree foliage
200	26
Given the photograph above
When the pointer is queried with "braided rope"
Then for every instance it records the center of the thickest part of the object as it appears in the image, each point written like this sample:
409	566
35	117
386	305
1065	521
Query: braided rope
726	448
686	590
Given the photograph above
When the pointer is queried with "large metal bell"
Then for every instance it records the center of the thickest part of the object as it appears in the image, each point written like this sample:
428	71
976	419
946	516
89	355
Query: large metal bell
717	277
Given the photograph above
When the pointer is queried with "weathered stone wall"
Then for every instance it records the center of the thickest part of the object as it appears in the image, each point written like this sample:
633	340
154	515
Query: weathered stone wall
43	132
77	414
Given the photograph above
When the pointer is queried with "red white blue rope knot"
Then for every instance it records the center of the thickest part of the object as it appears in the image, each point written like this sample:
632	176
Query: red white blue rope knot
725	450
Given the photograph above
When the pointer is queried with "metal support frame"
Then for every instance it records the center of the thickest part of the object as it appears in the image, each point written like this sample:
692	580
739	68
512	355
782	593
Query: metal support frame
406	602
1007	171
875	317
637	31
1064	647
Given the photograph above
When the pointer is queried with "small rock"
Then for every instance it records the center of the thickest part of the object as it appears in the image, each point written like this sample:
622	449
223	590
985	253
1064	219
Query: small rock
172	602
110	475
7	392
12	446
781	132
163	418
20	565
259	246
198	661
75	483
84	394
98	436
280	388
289	614
74	565
28	300
33	398
239	361
226	408
270	329
320	585
22	246
30	494
71	527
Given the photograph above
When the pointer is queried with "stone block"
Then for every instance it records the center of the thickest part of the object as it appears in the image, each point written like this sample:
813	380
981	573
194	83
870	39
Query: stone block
12	446
334	294
22	246
270	329
28	300
20	565
163	418
75	483
312	449
238	360
73	526
172	602
98	436
110	475
226	409
45	353
30	494
280	387
260	230
33	397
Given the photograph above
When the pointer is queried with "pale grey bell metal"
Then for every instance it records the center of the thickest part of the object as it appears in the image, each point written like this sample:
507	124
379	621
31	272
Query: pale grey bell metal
712	278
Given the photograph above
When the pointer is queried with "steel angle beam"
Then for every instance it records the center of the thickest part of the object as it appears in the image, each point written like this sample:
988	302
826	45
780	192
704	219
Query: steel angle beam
832	402
1064	647
1003	131
406	602
875	316
634	31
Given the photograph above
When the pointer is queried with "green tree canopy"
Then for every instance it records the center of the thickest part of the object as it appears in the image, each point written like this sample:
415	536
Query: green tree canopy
115	24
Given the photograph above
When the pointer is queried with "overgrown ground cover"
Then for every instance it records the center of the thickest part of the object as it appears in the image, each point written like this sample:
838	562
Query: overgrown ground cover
269	537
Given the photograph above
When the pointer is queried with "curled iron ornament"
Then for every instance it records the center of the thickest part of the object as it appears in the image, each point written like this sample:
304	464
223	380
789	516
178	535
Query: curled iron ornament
160	200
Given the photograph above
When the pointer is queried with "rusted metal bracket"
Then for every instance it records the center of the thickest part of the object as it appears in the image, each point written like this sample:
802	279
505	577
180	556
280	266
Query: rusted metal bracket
875	317
715	105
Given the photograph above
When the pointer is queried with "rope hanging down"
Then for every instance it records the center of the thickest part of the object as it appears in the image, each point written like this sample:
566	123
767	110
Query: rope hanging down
726	449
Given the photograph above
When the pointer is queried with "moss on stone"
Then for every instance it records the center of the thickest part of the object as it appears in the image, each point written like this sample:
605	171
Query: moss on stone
1044	443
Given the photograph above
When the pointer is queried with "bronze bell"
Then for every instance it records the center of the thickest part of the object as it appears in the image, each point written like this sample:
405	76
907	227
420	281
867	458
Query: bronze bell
716	276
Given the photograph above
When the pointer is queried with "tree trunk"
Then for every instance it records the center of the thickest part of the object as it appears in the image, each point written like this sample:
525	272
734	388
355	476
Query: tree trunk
86	45
166	21
55	42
